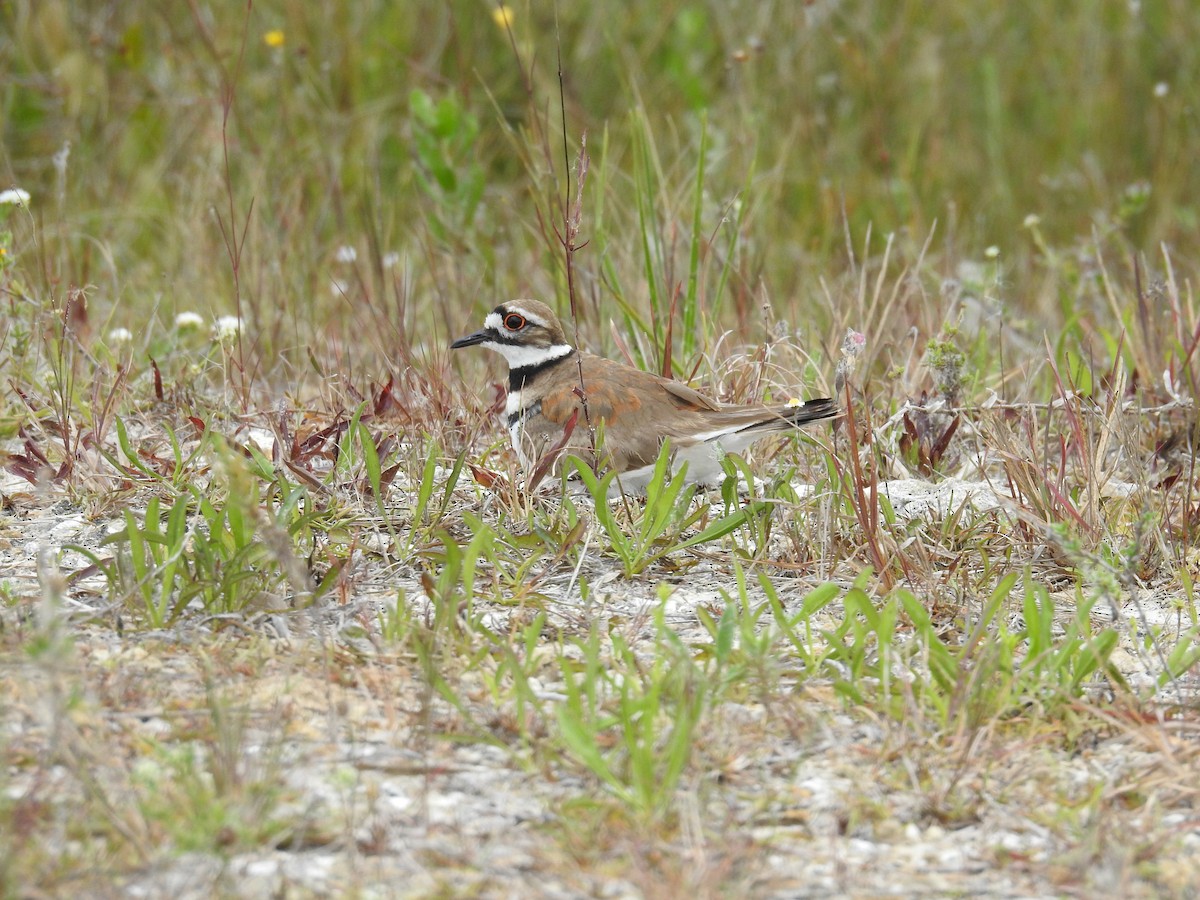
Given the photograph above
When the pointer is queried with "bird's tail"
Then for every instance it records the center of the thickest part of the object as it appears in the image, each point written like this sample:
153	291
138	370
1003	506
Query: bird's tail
788	417
822	408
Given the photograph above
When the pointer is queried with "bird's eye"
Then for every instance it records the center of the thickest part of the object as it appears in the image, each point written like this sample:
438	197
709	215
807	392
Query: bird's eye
513	322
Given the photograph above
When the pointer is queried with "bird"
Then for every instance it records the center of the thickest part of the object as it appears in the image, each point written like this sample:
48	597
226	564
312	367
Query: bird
560	397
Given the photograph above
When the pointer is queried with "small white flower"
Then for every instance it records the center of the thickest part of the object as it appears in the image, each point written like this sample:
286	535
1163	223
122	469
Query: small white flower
391	260
226	328
15	197
1161	89
346	254
1033	220
189	321
338	287
1139	191
120	336
992	252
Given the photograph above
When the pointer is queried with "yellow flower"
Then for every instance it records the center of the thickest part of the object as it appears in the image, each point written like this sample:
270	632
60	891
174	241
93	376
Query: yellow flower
273	38
503	16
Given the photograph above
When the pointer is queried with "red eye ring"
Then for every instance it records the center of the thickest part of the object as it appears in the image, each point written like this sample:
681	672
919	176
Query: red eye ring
514	322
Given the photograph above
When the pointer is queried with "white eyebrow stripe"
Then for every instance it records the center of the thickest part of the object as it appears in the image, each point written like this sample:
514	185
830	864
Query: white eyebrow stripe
493	321
531	318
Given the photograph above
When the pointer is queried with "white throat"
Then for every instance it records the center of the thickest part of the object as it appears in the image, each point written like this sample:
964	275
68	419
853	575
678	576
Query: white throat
519	357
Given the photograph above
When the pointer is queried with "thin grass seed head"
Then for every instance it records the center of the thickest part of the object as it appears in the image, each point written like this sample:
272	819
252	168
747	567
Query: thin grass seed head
853	345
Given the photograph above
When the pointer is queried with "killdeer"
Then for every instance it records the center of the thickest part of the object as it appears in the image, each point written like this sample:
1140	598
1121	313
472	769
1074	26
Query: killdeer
548	381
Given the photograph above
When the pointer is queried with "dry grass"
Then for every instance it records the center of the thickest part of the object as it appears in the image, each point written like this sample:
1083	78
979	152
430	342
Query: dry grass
278	615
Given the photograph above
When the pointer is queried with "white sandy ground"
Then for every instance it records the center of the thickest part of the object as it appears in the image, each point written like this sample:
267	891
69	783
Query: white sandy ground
800	799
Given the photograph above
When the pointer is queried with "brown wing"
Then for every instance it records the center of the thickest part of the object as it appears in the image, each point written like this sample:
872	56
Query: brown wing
634	400
684	397
616	391
613	389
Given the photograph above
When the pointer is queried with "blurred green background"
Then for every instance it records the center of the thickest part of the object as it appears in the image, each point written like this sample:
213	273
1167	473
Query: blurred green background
427	137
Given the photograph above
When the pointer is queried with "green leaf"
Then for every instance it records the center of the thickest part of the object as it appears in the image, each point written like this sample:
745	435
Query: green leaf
371	460
726	631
